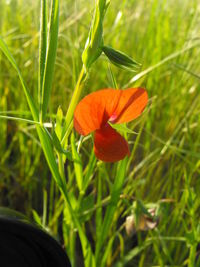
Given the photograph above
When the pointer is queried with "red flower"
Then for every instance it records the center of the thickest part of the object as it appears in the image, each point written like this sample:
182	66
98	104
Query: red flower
109	105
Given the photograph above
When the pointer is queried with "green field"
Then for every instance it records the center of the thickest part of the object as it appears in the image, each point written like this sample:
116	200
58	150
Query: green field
163	170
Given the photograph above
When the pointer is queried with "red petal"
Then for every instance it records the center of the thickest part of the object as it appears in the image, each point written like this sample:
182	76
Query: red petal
109	145
94	110
131	104
118	106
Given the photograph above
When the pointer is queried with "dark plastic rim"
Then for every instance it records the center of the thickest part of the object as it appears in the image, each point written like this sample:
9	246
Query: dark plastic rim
27	243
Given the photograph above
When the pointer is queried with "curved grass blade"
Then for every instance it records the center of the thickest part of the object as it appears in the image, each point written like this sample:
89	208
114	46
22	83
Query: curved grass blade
178	66
18	119
160	63
29	98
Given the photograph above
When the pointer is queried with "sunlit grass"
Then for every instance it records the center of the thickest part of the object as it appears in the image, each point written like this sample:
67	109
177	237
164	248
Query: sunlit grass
164	37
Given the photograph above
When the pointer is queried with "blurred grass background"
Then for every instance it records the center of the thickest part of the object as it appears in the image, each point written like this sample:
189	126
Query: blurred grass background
165	37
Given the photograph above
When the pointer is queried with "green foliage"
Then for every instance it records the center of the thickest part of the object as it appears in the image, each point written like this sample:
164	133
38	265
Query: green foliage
90	199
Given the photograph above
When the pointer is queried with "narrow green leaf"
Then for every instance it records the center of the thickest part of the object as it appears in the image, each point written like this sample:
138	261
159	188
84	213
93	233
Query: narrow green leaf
86	205
50	58
59	123
29	98
18	119
37	218
99	206
108	249
56	141
49	154
122	128
90	170
57	145
42	46
110	211
112	77
131	254
77	163
44	217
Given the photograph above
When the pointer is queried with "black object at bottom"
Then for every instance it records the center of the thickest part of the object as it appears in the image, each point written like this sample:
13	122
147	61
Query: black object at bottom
23	244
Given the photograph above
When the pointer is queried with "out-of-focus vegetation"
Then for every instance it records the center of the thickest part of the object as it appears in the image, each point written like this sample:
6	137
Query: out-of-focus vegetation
164	168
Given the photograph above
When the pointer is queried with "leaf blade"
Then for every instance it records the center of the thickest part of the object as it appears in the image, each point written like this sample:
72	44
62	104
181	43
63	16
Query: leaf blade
29	98
42	46
50	58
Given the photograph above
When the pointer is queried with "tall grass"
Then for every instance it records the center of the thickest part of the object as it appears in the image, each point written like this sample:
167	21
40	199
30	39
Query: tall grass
164	167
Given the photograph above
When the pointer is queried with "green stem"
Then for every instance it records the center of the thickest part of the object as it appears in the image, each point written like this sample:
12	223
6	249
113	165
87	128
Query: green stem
192	255
73	103
87	252
73	246
61	168
110	211
99	210
48	151
193	246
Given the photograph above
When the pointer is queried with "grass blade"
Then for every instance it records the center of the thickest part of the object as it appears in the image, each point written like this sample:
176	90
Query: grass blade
90	170
115	194
133	253
77	163
49	154
18	119
42	46
178	66
160	63
29	98
50	58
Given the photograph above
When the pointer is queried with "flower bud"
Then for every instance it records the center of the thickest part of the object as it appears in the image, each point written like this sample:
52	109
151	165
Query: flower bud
120	59
94	43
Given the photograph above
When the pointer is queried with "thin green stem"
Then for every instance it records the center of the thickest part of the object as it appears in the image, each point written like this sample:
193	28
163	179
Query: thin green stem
19	119
67	133
73	103
61	168
87	252
192	255
73	246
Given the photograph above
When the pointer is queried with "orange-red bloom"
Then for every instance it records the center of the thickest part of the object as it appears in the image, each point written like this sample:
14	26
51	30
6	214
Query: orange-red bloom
109	105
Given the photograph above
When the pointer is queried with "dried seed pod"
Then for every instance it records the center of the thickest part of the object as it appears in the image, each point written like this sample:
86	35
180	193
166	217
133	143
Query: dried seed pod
144	222
130	225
